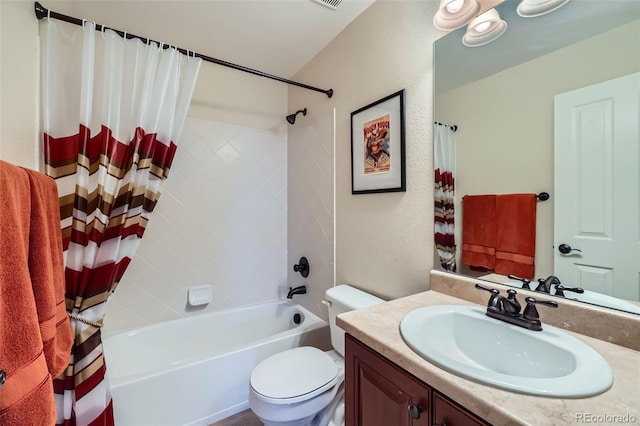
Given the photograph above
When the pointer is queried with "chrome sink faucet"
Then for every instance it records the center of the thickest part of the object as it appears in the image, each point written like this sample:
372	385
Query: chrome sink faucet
507	309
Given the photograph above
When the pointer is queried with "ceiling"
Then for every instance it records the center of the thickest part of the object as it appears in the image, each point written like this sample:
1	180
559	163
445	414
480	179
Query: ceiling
280	36
274	36
526	38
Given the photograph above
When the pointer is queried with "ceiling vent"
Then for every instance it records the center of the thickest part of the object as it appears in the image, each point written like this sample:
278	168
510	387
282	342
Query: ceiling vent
331	4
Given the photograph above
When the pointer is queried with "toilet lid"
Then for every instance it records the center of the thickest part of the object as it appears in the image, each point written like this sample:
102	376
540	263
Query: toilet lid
293	373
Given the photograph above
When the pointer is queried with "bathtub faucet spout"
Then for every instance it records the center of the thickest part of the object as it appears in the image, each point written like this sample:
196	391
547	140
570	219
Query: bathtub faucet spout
297	290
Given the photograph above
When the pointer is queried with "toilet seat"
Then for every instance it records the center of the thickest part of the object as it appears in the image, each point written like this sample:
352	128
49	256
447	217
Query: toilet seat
294	375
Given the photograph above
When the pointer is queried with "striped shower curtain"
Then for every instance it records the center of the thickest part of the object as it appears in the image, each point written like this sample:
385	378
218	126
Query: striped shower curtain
444	166
113	110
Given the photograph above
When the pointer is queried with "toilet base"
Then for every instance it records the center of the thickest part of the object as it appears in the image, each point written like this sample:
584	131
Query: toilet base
297	414
302	422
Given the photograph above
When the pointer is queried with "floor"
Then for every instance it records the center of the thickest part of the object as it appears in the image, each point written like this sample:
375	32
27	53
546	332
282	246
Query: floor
244	418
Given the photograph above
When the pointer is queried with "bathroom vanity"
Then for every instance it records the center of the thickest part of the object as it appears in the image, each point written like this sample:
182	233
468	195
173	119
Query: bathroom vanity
388	383
379	393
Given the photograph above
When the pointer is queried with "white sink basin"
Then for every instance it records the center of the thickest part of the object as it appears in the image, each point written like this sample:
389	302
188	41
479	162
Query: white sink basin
464	341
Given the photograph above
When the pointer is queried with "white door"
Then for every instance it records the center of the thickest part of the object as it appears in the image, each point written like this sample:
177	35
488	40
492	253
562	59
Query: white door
597	187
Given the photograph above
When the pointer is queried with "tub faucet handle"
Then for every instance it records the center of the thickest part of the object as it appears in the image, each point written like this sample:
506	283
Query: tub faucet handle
302	267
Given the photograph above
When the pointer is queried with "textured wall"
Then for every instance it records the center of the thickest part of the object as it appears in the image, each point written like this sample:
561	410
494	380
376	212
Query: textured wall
384	242
18	83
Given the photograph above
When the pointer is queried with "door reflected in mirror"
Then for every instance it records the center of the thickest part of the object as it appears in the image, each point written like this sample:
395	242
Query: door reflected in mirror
501	96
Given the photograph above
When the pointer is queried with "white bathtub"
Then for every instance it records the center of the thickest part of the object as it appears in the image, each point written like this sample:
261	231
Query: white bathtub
196	370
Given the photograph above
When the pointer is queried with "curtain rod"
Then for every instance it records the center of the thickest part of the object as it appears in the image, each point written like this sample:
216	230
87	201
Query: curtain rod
453	127
42	12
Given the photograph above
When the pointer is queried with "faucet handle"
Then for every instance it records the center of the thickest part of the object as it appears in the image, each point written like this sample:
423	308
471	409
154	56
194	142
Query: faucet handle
491	290
560	289
530	311
512	305
302	266
494	300
541	285
525	281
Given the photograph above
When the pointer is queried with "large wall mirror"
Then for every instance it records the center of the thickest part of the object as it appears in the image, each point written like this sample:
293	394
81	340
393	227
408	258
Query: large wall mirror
501	96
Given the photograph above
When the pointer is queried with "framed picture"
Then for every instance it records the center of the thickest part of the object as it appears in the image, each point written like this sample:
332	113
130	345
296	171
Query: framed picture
377	146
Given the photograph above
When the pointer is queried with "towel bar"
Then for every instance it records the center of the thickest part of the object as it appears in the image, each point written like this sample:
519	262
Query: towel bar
543	196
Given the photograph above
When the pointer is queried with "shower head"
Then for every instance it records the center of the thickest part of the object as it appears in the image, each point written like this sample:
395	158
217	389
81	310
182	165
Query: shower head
291	118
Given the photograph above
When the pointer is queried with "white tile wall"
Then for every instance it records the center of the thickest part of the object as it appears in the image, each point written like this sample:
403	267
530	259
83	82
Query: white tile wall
221	220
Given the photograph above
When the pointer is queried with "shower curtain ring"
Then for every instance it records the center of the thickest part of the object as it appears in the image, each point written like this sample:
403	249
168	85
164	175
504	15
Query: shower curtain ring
125	36
49	15
102	30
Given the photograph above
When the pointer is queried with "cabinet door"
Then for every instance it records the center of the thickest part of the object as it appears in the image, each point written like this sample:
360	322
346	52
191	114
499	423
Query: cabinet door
377	393
447	413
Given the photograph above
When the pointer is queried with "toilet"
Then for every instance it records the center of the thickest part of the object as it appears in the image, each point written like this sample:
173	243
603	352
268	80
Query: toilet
302	386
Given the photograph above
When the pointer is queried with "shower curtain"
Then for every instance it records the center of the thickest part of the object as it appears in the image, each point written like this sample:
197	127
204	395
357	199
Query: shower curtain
112	111
444	166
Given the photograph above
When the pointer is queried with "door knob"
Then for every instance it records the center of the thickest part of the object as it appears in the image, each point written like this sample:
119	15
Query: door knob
415	410
566	249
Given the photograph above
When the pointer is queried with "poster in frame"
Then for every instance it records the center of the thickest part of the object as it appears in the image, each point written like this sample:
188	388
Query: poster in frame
378	145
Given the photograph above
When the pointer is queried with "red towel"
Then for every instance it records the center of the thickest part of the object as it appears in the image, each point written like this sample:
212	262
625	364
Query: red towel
479	231
35	334
516	234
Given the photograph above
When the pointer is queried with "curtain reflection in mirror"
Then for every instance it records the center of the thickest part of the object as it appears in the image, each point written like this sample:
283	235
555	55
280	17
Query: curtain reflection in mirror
444	165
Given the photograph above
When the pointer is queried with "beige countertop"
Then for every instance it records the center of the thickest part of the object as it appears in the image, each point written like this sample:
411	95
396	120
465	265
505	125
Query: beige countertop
379	328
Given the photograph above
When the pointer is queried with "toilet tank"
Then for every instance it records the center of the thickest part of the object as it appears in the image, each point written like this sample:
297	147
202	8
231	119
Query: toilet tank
344	298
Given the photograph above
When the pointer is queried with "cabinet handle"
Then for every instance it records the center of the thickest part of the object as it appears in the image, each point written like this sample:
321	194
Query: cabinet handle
439	424
415	410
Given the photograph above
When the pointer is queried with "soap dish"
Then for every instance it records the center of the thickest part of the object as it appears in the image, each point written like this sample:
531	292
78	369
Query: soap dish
199	295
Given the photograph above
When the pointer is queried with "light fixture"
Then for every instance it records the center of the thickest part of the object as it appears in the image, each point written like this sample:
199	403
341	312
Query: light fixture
484	29
532	8
483	20
454	14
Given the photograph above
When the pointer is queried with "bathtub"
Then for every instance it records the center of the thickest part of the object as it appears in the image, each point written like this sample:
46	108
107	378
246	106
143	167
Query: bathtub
195	371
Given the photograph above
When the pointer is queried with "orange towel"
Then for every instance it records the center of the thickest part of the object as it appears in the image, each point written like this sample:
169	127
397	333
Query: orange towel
46	267
479	231
35	339
516	234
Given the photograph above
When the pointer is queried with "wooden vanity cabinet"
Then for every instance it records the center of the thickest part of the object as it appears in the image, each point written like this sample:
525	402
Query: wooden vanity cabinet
379	393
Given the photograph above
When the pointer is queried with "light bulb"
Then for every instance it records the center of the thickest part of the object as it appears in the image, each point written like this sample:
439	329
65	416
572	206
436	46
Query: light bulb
482	27
455	6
